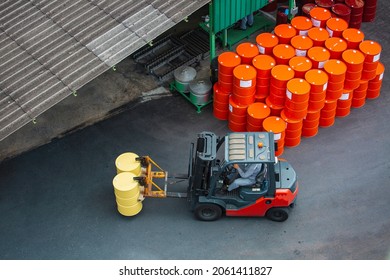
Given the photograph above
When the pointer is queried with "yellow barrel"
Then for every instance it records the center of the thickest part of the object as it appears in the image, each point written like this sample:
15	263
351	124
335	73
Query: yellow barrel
127	194
126	163
130	210
124	185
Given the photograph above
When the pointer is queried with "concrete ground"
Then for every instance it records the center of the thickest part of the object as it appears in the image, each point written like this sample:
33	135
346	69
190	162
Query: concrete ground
57	201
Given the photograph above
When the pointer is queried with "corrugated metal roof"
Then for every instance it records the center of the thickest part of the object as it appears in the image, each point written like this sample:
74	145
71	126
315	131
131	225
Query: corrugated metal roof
51	48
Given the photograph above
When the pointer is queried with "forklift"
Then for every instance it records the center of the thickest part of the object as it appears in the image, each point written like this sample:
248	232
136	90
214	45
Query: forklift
210	169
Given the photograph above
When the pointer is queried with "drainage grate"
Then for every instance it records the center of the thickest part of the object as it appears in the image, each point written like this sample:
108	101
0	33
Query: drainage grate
170	52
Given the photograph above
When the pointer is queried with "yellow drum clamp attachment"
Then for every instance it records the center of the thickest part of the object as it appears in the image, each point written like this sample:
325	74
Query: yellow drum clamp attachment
151	189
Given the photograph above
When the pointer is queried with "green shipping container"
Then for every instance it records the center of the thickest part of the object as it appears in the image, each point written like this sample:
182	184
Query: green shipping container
227	12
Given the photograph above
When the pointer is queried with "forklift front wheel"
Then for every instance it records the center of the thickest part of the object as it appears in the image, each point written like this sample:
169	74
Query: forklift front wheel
208	212
277	214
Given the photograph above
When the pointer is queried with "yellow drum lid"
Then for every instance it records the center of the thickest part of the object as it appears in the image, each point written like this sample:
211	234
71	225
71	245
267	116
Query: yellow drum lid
124	185
130	210
126	163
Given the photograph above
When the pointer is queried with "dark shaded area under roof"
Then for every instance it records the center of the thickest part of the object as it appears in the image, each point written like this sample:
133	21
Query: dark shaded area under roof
51	48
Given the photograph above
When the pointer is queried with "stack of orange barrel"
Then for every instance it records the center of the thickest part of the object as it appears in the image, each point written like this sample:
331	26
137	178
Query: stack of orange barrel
299	78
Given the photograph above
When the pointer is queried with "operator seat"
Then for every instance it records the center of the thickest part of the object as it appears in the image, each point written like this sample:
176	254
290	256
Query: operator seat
257	190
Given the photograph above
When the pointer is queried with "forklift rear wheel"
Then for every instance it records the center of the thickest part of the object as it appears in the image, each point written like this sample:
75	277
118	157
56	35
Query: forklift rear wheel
277	214
208	212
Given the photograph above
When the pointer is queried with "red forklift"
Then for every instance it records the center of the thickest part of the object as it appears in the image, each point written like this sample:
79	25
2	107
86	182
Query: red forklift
210	169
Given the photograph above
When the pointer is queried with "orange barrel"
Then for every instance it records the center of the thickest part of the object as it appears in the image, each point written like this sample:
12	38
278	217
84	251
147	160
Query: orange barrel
318	56
266	42
293	131
244	84
369	10
256	113
297	101
318	81
354	60
263	64
283	53
280	75
318	35
302	44
340	10
227	61
374	85
301	24
319	16
372	51
275	109
357	7
336	71
237	116
344	104
244	76
278	126
220	103
328	113
310	124
300	65
336	26
247	51
306	8
353	37
335	46
360	94
285	32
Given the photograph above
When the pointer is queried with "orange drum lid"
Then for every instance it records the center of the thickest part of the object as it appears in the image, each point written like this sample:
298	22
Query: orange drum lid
335	67
244	72
301	23
318	33
282	72
285	30
316	77
274	124
336	24
283	51
300	63
298	86
229	59
259	110
353	35
353	56
380	69
370	47
320	13
263	62
336	44
318	54
301	42
247	50
267	39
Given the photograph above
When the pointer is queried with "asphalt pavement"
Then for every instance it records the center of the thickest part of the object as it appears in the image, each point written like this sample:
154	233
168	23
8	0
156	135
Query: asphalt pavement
57	201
